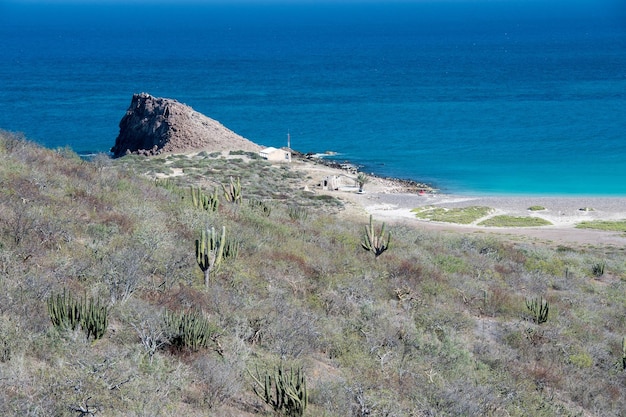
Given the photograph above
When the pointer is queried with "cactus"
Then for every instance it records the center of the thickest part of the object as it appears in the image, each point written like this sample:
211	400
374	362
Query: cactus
623	353
598	269
284	391
260	205
188	329
166	183
231	249
209	202
539	309
297	213
68	313
64	311
361	179
233	192
94	320
375	242
210	252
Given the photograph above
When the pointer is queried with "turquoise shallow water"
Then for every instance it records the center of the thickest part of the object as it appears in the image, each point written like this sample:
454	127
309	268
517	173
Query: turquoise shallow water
489	98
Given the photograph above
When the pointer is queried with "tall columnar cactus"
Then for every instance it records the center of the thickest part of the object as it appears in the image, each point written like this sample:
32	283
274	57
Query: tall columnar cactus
361	179
67	313
375	242
539	309
232	193
623	353
284	391
210	251
209	202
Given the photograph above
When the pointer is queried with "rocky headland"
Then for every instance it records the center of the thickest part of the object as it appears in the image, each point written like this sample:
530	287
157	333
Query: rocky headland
152	126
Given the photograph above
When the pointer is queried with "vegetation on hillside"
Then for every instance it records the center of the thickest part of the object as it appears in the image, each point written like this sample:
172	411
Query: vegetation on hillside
514	221
440	324
461	215
610	225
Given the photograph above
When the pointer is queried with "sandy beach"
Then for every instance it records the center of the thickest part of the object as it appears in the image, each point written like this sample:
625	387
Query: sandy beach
392	201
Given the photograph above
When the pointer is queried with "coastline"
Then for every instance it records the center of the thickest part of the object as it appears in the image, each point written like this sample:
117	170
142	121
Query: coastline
391	200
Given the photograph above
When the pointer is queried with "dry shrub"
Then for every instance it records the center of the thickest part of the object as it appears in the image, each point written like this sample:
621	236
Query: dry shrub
184	297
406	272
290	332
503	268
544	375
25	190
124	223
291	261
498	300
217	380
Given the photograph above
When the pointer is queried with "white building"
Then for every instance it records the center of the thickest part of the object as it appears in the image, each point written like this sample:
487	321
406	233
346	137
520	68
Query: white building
273	154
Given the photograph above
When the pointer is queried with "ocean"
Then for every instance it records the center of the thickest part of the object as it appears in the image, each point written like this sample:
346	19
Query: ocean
474	97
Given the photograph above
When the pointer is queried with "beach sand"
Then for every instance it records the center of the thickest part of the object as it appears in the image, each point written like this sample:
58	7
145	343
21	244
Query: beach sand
391	201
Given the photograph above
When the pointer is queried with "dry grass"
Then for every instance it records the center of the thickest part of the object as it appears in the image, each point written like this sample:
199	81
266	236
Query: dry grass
437	325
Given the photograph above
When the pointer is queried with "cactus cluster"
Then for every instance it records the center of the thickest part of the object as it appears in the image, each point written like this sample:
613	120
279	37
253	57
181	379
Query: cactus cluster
67	313
297	213
375	242
188	329
598	269
539	309
231	248
166	183
200	200
261	206
284	391
232	193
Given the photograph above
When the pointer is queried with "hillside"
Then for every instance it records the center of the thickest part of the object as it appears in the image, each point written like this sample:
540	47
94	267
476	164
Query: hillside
437	325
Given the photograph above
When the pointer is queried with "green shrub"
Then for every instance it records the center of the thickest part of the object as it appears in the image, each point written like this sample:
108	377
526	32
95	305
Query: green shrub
514	221
460	215
608	225
581	360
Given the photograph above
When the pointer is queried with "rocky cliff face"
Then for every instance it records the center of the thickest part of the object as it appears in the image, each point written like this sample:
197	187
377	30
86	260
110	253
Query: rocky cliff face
152	126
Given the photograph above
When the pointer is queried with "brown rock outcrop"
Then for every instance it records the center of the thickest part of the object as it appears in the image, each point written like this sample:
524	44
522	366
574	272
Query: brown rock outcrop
152	126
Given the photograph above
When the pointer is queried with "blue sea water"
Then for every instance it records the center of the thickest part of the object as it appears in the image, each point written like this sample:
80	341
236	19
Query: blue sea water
482	97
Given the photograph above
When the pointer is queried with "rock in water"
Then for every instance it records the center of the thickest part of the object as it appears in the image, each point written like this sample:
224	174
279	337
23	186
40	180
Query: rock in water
152	126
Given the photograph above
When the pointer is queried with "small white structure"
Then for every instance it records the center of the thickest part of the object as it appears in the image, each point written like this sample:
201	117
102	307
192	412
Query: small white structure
273	154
